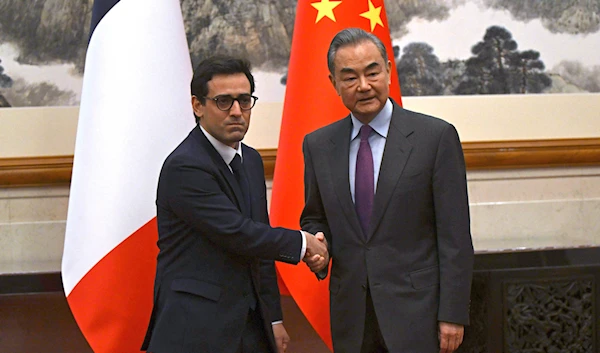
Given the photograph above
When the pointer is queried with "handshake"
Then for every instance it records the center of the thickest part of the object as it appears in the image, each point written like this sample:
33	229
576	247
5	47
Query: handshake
316	256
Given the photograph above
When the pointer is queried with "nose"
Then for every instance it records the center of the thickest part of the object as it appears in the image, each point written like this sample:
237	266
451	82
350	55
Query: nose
363	84
235	109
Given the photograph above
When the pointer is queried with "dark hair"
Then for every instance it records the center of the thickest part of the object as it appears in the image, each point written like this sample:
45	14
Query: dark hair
352	36
218	65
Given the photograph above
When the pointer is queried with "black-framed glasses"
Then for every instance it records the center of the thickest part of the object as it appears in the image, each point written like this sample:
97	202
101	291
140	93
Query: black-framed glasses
225	102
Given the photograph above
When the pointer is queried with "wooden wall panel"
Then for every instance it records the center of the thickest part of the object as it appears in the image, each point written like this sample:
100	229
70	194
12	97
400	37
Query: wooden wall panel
35	171
56	170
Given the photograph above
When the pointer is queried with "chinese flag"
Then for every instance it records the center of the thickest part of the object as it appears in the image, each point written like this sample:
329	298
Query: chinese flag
310	103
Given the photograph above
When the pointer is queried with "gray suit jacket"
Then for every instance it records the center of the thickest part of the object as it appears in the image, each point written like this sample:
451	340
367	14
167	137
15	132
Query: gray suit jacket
417	257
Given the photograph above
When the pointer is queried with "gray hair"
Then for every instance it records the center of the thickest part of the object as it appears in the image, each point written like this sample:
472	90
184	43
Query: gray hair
352	36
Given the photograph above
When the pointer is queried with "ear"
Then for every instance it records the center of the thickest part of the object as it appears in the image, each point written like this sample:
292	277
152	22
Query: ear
388	68
197	107
333	82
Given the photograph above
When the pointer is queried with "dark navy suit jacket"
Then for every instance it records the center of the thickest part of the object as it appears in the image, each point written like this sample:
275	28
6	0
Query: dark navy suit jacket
214	263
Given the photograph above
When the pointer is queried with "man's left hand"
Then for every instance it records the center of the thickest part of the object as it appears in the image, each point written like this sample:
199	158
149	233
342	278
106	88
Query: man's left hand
281	338
451	336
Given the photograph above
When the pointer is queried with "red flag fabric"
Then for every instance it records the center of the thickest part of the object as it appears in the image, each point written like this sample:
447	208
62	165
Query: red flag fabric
310	103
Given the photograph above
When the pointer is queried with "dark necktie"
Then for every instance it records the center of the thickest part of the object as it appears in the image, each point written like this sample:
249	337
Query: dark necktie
242	179
240	175
364	184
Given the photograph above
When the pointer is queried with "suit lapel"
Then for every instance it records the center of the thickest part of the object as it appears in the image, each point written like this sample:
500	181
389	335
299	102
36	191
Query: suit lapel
395	155
234	191
339	157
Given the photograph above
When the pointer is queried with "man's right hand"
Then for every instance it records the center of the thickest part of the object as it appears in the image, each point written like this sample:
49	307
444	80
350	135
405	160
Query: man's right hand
317	256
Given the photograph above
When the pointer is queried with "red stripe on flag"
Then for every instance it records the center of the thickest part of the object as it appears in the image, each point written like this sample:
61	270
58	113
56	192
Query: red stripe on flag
282	287
113	301
311	296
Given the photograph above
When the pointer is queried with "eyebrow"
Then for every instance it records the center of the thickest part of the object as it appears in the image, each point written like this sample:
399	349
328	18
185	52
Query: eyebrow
349	70
232	96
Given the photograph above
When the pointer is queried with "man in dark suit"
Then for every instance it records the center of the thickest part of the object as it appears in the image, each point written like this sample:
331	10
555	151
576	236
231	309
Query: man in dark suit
387	186
216	289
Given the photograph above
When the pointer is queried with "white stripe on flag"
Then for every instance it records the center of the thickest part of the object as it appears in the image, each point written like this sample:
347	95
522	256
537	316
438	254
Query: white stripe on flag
135	109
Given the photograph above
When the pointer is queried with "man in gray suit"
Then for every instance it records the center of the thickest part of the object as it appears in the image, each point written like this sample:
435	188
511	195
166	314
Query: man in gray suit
388	188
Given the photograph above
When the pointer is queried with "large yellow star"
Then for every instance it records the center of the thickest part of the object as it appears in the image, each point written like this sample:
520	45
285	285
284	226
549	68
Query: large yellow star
374	15
325	8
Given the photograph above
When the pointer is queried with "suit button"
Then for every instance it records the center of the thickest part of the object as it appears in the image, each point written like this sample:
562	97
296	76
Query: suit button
364	287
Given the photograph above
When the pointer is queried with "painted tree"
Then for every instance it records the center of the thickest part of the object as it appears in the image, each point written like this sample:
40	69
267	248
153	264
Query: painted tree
488	70
420	71
558	16
527	73
452	73
5	82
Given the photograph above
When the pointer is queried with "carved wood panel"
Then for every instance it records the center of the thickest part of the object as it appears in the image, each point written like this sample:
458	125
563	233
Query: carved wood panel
550	315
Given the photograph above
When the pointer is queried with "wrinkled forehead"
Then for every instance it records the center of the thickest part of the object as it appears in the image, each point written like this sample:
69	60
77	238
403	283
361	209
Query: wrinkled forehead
360	56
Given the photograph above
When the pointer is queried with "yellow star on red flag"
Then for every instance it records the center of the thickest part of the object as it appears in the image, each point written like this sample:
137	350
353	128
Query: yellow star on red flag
325	8
374	15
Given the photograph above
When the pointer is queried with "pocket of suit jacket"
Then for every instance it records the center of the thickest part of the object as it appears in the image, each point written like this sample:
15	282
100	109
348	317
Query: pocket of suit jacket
426	277
200	288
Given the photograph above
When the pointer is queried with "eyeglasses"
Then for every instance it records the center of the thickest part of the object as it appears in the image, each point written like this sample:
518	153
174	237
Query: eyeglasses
225	102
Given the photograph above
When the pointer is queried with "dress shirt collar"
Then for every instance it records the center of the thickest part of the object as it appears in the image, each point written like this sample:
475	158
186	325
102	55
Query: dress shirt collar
226	152
381	122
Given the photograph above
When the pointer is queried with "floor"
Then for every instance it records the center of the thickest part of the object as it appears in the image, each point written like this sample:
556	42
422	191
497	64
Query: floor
42	322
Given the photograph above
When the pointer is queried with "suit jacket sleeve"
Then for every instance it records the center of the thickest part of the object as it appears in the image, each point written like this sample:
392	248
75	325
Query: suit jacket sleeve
195	192
313	217
455	247
269	289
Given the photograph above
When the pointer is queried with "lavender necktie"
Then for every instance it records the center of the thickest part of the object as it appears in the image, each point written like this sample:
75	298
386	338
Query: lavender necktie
364	184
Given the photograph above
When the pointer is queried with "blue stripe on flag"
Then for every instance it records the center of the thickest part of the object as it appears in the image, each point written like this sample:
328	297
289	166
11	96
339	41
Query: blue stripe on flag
101	8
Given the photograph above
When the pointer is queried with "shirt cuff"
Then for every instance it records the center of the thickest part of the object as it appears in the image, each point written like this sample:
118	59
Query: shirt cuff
303	251
276	322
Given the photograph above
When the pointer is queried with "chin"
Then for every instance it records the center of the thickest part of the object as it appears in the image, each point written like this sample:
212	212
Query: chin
369	107
368	113
235	138
235	132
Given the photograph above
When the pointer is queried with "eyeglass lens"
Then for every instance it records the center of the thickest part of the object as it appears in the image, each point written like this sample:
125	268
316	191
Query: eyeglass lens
246	101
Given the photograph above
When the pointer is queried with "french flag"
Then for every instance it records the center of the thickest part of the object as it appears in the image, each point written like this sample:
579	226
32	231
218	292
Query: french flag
135	108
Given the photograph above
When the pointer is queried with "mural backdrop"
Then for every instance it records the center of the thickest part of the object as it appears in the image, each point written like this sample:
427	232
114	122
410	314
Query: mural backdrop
442	47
